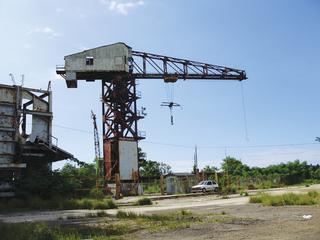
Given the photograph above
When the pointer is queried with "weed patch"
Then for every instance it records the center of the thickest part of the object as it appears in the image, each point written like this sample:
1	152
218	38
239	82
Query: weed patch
39	231
55	204
310	198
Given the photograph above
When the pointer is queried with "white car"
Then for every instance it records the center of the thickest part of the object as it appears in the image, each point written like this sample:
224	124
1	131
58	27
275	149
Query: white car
205	186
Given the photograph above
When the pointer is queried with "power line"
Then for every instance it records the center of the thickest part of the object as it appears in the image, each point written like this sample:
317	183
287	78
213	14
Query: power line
72	129
213	147
229	147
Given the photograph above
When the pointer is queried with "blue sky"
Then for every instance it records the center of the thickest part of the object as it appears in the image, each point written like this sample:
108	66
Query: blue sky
276	42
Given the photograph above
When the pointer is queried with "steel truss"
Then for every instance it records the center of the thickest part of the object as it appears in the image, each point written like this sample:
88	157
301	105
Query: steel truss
153	66
119	108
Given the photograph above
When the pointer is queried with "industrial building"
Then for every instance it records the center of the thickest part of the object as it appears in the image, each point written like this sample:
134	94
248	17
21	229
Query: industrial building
25	133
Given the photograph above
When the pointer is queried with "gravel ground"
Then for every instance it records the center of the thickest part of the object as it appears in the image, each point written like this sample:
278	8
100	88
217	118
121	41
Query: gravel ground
251	221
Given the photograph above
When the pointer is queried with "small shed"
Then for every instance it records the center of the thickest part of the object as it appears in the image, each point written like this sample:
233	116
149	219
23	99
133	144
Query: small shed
179	182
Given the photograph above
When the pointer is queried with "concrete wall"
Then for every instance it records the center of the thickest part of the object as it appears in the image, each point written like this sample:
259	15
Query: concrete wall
12	112
128	159
7	125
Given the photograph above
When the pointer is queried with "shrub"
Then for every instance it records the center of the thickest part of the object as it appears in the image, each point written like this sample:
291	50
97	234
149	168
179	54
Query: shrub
185	212
111	204
151	188
107	204
257	198
229	190
130	215
101	214
96	193
85	204
251	187
144	201
314	194
244	193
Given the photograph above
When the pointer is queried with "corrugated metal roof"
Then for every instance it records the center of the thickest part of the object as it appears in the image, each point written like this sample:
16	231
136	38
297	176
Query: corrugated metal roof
180	174
99	47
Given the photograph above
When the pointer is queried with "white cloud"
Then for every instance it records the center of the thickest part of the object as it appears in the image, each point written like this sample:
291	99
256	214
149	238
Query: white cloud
122	6
44	30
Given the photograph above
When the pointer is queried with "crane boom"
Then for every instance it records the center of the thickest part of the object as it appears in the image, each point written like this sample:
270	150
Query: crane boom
153	66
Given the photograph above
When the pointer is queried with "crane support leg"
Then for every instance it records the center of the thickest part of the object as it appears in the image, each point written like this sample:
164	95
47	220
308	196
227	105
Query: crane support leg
120	131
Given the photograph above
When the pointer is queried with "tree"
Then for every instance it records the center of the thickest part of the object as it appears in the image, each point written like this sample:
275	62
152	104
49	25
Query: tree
209	170
234	167
149	168
164	168
39	181
83	177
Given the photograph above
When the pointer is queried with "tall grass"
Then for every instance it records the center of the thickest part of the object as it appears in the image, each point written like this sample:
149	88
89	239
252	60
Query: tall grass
151	188
55	204
311	198
41	231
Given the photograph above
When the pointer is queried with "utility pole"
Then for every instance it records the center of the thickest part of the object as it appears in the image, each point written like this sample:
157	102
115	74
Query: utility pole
195	161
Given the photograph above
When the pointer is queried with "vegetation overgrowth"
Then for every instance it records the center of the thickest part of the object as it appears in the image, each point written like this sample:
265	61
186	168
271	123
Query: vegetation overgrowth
123	226
39	231
311	198
55	204
237	176
72	182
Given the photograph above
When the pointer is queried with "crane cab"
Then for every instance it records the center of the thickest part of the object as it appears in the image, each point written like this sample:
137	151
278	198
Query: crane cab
96	63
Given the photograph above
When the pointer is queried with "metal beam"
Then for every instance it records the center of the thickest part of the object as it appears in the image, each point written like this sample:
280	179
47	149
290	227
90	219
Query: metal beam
152	66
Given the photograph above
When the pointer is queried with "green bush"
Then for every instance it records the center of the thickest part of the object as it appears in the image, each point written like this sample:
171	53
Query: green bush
314	194
130	215
244	193
101	214
96	193
257	198
229	190
85	204
185	212
106	204
151	188
143	201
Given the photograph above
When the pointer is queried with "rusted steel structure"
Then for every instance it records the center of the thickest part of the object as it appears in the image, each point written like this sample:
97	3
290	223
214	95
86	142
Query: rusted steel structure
25	132
118	67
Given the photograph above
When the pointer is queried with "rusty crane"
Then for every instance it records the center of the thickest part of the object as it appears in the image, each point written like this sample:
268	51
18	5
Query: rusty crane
118	67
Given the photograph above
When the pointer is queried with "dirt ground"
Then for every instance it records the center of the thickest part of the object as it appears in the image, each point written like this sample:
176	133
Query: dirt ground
251	221
245	220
